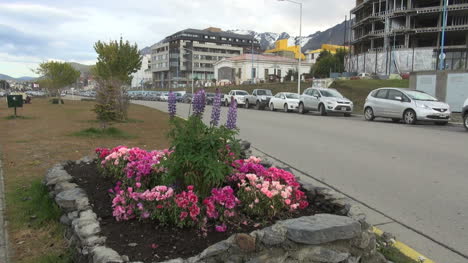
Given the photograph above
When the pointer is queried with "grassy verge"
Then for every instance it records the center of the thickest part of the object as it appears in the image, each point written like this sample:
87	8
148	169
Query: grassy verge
111	132
31	147
13	117
392	253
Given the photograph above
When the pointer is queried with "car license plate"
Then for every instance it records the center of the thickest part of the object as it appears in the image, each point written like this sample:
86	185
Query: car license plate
343	108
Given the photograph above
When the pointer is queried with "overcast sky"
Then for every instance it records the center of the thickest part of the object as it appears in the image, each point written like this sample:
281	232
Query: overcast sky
38	30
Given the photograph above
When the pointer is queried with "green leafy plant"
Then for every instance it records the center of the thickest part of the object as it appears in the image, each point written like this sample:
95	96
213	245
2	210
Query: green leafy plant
203	154
56	76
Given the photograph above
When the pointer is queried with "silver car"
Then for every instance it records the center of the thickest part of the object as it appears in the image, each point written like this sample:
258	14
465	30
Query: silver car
409	105
324	100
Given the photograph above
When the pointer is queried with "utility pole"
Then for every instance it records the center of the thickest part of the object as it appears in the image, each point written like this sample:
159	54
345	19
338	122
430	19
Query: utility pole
444	25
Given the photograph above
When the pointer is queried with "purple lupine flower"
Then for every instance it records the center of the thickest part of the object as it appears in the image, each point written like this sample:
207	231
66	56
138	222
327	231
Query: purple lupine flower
171	102
232	115
216	110
199	103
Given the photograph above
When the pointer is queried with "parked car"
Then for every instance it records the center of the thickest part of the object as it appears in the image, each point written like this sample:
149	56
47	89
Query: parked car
260	98
465	114
209	98
284	100
164	96
238	95
187	98
324	100
409	105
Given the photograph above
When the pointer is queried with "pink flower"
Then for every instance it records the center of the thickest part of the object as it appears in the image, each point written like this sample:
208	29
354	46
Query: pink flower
287	201
190	187
221	228
154	246
145	215
183	215
138	184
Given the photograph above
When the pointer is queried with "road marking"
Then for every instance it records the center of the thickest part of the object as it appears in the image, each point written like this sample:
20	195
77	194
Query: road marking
405	249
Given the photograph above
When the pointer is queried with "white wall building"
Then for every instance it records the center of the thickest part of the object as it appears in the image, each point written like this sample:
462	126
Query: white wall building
265	67
144	74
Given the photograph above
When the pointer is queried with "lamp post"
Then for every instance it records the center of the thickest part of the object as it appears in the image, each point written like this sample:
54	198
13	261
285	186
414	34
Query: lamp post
191	51
442	44
300	45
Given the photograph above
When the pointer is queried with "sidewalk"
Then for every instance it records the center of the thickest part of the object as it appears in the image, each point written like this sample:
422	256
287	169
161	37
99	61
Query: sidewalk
3	230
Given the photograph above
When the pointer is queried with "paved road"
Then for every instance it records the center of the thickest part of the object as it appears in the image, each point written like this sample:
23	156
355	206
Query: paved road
415	178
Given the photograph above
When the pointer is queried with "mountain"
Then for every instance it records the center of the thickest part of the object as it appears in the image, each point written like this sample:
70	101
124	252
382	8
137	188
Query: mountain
84	69
333	35
6	77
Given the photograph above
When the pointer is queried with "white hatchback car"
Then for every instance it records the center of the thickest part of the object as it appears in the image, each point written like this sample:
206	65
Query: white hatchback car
284	100
409	105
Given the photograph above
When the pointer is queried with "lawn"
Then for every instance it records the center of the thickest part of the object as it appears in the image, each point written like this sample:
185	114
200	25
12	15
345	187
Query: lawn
45	135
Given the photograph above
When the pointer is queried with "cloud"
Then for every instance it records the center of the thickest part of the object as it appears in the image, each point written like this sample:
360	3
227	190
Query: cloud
67	30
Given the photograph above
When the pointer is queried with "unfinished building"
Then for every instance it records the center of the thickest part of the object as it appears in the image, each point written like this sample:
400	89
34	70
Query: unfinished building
396	36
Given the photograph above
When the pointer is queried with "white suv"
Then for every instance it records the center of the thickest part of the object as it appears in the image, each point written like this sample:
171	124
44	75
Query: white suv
237	95
324	100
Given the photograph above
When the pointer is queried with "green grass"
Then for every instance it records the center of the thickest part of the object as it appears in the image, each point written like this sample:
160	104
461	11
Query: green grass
111	132
65	257
37	207
130	120
392	253
12	117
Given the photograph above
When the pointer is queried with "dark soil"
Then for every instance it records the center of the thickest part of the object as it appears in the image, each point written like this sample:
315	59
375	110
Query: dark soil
135	238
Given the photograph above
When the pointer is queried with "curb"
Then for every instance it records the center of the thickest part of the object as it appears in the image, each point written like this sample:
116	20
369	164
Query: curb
4	256
405	249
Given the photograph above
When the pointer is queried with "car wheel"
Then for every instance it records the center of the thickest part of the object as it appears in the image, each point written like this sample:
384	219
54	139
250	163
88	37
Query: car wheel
441	123
246	104
369	114
465	121
272	108
396	120
257	105
322	110
409	117
347	114
301	108
285	108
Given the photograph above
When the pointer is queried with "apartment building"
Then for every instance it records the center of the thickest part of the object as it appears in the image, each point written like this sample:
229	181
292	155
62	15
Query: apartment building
171	62
407	35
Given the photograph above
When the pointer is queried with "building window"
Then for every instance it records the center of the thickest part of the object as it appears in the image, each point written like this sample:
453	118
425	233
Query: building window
239	73
223	38
254	73
266	73
206	37
212	37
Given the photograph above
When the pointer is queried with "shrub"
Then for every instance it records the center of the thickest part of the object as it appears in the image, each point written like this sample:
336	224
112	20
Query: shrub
56	101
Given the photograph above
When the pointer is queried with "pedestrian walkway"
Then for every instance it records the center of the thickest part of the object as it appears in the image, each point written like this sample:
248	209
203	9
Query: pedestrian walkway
3	230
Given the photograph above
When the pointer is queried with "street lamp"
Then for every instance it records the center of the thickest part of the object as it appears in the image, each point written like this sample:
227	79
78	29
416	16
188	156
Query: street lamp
444	25
300	45
191	51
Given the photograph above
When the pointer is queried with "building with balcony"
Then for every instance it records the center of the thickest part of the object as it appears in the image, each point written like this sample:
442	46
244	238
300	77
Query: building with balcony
171	59
144	75
393	36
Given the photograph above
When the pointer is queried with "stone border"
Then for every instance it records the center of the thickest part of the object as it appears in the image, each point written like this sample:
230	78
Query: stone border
346	237
4	247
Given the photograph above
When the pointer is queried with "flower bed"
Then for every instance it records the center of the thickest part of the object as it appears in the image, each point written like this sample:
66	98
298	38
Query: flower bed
191	199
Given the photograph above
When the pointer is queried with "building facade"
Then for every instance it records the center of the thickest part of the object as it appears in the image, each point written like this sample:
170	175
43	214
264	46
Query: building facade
144	75
171	61
248	67
395	36
282	49
312	55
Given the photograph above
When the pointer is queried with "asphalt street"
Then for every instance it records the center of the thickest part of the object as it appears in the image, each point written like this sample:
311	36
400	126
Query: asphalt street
412	179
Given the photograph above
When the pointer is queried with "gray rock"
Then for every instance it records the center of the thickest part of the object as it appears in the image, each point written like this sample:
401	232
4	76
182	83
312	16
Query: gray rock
176	260
215	249
125	258
94	241
320	254
86	159
57	175
274	235
132	244
375	258
88	215
64	186
72	215
65	220
321	228
356	213
364	240
103	254
85	228
353	260
270	256
266	162
73	199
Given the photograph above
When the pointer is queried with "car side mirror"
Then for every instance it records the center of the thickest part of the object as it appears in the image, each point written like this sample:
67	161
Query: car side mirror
399	98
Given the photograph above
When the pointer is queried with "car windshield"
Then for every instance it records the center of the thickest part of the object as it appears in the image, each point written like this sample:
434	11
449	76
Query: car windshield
210	94
418	95
331	93
291	96
242	93
264	92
